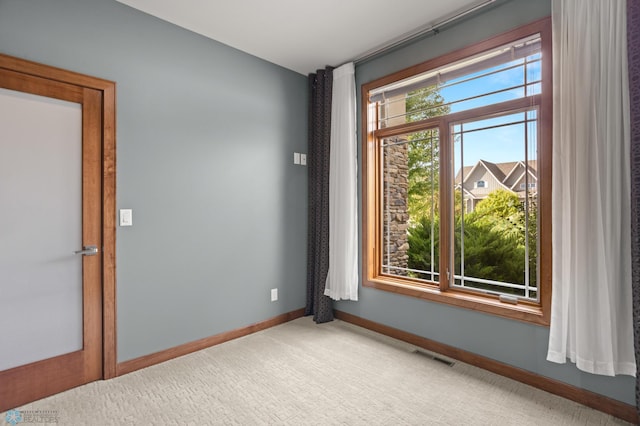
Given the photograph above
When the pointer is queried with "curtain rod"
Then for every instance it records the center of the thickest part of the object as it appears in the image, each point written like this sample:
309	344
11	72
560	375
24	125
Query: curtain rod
419	32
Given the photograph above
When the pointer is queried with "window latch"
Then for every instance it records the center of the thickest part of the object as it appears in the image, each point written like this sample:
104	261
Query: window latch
508	299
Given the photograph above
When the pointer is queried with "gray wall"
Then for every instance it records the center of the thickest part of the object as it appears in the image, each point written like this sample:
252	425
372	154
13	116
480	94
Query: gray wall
205	136
512	342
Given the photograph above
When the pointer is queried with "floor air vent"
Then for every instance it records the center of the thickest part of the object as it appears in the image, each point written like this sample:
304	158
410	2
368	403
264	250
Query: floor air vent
434	357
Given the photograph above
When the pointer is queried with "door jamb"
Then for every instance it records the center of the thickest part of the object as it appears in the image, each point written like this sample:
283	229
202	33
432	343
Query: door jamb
108	89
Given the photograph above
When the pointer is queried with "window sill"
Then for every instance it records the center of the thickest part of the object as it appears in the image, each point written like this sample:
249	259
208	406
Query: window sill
522	311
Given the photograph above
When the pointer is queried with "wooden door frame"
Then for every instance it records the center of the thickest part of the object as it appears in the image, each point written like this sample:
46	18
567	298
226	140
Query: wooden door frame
108	89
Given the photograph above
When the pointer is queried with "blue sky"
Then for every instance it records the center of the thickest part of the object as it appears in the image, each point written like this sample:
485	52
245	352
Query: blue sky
500	144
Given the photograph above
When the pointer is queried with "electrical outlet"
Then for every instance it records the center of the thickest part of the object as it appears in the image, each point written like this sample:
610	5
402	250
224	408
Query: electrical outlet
274	294
303	159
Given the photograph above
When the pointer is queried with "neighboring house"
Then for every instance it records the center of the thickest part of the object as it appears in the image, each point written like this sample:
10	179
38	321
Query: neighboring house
478	181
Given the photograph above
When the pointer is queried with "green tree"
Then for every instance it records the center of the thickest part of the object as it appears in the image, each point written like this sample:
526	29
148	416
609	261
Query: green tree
423	152
488	254
420	239
502	212
500	203
494	241
500	227
425	103
495	233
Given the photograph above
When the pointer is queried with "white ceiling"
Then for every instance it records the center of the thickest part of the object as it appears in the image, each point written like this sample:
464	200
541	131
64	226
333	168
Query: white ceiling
303	35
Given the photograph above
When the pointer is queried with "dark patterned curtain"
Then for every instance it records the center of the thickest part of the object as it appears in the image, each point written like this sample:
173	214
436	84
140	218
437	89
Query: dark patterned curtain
633	45
320	85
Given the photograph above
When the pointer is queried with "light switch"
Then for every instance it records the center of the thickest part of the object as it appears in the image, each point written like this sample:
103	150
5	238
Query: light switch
303	159
296	158
126	217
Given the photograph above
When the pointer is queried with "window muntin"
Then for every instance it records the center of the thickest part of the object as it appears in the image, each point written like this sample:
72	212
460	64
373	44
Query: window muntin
391	113
512	71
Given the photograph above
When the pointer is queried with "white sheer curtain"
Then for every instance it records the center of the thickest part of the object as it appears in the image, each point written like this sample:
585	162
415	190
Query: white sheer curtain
342	278
591	320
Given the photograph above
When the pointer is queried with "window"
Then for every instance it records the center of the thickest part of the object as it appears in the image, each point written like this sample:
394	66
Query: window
525	185
457	163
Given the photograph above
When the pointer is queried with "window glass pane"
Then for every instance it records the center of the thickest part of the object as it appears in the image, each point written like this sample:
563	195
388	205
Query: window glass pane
534	89
506	73
392	112
410	217
534	71
410	107
498	84
495	225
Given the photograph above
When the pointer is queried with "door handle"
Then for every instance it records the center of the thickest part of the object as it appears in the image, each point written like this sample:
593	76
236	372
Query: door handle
88	251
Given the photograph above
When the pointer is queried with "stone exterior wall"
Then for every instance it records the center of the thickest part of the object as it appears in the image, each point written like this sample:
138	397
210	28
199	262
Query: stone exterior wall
396	216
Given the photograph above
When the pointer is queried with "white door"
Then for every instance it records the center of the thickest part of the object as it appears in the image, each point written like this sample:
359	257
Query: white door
50	208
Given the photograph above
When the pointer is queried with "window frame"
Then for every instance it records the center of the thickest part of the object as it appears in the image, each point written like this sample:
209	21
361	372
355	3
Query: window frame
537	313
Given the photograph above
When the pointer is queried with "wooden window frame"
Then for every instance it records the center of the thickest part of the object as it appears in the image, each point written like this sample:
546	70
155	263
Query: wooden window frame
537	313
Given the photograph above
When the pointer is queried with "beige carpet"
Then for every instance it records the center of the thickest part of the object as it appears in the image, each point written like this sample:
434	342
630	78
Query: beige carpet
300	373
